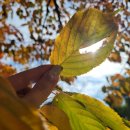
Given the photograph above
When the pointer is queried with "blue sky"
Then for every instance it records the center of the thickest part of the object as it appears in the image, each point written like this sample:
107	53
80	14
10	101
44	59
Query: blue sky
91	82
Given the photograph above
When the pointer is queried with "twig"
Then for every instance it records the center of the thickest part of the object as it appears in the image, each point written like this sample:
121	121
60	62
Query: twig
47	12
58	13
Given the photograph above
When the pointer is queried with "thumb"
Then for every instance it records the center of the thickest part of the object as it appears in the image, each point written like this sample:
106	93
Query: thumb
44	86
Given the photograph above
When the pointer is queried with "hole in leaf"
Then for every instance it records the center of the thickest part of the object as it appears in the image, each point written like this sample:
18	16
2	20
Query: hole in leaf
93	48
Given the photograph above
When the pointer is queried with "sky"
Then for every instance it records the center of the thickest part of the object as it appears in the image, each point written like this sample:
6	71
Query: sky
92	82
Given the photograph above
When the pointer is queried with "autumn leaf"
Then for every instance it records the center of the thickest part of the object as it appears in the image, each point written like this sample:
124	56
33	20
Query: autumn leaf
6	70
56	116
102	112
115	57
79	117
51	3
86	113
84	29
2	37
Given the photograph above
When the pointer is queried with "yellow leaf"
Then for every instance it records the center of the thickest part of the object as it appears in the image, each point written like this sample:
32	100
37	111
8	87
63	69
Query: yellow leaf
84	29
104	113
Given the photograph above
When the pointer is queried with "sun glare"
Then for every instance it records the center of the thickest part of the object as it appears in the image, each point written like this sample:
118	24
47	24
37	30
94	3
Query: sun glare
93	48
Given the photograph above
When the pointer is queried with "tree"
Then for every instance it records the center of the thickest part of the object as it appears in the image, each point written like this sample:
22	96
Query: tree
118	94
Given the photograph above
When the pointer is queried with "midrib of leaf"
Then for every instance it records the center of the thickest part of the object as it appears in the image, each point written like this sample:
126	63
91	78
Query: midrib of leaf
73	53
71	113
102	109
83	60
61	43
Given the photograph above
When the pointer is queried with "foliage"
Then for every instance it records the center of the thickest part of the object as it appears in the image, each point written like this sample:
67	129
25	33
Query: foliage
7	70
83	112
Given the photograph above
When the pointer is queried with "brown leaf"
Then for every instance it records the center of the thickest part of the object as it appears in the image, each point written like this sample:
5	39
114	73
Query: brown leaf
56	116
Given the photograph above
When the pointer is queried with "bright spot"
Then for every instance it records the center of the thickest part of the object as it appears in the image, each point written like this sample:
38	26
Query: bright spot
93	48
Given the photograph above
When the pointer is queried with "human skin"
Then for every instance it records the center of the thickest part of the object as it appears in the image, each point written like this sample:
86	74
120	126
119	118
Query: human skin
45	78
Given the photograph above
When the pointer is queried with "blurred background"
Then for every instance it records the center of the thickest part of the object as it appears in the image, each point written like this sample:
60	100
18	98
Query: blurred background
28	29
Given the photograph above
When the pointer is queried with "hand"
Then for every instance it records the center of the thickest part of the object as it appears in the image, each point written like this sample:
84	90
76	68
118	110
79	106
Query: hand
45	77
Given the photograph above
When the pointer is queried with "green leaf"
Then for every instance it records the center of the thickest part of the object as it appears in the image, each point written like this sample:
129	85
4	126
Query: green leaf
104	113
79	117
84	29
86	113
56	116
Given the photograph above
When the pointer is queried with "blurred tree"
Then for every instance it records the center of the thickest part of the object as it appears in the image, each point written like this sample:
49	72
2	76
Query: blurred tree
118	94
43	20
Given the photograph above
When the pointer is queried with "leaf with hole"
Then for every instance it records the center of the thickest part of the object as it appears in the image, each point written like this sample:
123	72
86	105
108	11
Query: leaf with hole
72	49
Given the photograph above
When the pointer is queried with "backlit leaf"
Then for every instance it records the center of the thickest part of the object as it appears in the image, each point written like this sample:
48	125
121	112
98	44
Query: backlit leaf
86	113
84	29
56	116
102	112
79	117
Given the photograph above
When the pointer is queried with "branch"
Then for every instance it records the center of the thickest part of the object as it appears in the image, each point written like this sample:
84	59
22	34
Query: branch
58	13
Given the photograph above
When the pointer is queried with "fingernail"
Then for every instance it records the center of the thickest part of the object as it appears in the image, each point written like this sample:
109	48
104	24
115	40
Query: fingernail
55	70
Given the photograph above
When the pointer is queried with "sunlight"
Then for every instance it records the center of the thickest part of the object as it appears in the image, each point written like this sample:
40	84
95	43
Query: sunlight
93	48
